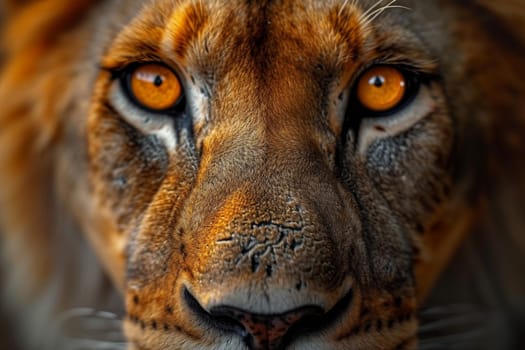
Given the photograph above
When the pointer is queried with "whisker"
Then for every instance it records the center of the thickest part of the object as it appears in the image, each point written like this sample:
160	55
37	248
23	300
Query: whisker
371	16
87	312
88	344
378	12
370	9
468	320
450	326
84	328
448	309
345	4
449	341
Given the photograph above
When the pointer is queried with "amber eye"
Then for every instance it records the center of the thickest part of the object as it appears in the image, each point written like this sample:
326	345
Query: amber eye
381	88
154	87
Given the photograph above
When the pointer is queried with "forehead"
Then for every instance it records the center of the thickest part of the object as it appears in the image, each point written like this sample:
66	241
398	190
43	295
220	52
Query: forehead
217	34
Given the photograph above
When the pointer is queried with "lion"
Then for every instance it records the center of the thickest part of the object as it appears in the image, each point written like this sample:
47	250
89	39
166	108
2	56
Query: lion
262	175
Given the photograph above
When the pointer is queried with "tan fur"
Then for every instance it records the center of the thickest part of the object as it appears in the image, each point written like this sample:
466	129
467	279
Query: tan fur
261	195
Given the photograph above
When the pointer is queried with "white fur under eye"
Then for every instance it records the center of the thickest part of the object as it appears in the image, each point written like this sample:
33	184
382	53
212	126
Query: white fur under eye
372	129
149	123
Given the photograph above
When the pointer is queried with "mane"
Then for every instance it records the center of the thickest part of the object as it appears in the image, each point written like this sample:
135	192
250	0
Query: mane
53	264
510	12
49	267
487	272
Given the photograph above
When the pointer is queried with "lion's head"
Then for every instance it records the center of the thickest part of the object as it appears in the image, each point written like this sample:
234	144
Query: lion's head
258	175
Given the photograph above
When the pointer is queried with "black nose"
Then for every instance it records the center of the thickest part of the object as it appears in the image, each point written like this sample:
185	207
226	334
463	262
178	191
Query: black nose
265	332
260	332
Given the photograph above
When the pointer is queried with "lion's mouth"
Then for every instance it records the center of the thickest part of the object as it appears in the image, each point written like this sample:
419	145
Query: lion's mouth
269	331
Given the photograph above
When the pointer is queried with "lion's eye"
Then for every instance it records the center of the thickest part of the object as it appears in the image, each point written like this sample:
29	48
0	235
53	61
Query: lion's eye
382	88
153	86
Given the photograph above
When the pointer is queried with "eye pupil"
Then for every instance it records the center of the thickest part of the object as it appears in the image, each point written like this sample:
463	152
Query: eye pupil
377	81
158	81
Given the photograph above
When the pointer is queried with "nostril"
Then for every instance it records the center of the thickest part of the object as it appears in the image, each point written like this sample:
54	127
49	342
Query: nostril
258	331
269	332
223	323
266	331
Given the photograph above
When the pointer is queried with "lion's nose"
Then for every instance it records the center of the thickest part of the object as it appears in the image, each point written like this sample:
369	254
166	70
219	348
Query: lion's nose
262	332
258	331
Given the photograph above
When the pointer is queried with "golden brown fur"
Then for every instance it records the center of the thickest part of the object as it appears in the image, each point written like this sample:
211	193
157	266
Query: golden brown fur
263	195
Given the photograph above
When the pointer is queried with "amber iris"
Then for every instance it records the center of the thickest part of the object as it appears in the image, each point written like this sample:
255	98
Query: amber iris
381	88
155	87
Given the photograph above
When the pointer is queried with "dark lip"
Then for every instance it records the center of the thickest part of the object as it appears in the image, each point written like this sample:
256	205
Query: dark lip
306	326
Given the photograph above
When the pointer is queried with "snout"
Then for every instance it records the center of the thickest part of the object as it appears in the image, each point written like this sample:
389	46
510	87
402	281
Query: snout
268	261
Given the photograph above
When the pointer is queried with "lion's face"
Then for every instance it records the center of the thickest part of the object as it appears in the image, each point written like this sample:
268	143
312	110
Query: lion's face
271	174
273	207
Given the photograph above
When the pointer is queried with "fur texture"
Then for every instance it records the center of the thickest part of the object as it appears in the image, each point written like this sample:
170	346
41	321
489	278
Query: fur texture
269	192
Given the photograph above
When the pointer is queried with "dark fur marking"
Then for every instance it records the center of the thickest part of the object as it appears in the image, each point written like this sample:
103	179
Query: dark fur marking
155	326
169	310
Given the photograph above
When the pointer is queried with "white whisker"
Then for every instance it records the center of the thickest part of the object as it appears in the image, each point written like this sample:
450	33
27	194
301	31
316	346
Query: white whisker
451	326
88	344
447	341
370	9
87	312
448	310
466	320
372	13
88	329
347	4
343	6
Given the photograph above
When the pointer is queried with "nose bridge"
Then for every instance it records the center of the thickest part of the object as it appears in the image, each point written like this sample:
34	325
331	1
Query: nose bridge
270	206
264	192
268	174
264	143
264	158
